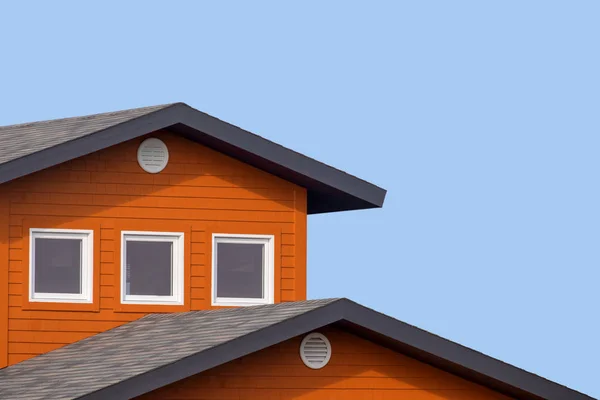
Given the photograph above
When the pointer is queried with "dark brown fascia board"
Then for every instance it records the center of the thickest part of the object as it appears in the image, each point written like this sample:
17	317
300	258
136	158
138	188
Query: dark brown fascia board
328	189
375	326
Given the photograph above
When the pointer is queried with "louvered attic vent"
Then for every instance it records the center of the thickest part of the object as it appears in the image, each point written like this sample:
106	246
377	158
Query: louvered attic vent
315	350
153	155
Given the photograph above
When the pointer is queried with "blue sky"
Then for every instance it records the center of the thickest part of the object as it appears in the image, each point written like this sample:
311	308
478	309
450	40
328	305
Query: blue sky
480	118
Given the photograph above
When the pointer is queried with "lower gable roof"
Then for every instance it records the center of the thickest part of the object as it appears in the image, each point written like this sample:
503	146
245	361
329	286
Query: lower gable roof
160	349
27	148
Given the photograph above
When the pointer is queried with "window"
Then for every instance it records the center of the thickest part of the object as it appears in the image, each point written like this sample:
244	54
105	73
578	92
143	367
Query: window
152	268
242	269
60	265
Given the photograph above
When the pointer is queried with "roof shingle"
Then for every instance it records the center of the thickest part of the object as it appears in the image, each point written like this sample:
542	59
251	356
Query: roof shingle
24	139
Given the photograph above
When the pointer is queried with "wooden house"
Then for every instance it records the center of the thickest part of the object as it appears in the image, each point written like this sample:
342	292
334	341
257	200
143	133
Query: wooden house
160	253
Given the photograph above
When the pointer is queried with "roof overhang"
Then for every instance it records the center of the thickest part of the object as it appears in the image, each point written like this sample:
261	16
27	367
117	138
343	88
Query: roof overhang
328	189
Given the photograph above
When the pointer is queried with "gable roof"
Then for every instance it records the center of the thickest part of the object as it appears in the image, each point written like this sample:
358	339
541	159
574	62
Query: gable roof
27	148
160	349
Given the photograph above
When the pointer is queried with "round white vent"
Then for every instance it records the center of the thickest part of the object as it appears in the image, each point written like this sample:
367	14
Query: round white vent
153	155
315	350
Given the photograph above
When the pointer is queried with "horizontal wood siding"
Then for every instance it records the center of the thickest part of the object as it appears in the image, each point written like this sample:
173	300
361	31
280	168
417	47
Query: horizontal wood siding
199	193
358	369
4	277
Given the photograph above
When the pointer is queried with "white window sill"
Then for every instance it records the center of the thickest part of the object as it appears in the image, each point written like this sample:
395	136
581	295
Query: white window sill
155	302
60	300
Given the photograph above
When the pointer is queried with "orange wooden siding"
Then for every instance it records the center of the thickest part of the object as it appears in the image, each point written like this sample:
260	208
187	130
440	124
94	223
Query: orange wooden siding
358	369
200	192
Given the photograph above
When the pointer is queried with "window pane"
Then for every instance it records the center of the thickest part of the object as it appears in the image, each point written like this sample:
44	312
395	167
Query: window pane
149	266
240	270
57	267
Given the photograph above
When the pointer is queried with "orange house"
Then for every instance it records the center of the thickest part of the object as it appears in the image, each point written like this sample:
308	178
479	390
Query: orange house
160	253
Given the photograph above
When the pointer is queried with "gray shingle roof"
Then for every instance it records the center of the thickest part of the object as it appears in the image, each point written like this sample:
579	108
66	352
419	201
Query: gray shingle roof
137	347
161	349
24	139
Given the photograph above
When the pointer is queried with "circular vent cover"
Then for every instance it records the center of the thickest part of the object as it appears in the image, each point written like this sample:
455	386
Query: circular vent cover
153	155
315	350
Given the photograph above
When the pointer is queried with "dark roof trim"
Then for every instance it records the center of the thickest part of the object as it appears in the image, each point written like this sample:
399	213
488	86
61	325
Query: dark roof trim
328	189
437	351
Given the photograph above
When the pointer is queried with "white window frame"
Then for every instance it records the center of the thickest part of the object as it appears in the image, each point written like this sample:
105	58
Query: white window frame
176	238
268	269
87	265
